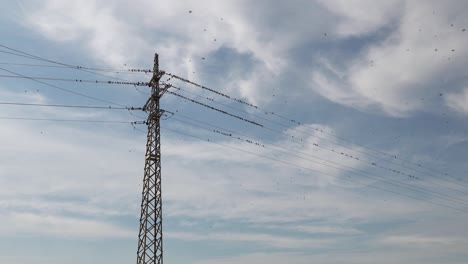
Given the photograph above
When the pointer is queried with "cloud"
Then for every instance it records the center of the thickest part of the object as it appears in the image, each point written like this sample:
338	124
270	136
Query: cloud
242	187
17	224
398	72
406	71
93	24
261	258
385	256
373	58
354	20
458	101
416	240
53	170
112	35
282	242
315	228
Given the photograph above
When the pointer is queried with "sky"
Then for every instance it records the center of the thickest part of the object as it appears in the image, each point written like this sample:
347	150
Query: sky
361	157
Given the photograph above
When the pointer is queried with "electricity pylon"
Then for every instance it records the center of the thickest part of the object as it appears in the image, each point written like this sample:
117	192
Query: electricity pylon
150	240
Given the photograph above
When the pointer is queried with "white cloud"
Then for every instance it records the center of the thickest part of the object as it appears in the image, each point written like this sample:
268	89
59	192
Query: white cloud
398	75
416	241
238	186
384	256
282	242
409	69
458	101
18	224
86	22
261	258
358	17
115	35
315	228
220	184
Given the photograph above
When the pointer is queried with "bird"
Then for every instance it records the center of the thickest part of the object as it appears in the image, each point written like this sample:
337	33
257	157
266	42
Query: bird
190	11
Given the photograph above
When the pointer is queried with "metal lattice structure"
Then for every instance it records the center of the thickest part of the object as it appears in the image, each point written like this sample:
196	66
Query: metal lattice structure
150	240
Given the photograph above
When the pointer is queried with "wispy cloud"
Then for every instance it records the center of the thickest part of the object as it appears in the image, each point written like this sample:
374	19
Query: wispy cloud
28	224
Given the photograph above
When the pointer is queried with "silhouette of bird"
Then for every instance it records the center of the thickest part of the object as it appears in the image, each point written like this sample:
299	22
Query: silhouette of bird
190	11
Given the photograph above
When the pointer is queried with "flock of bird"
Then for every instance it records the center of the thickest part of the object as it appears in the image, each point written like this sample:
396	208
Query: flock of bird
315	144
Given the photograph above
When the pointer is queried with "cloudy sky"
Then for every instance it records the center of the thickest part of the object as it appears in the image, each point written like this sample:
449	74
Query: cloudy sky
361	157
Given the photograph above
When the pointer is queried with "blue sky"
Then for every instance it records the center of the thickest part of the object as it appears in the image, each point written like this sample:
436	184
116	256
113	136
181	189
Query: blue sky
388	75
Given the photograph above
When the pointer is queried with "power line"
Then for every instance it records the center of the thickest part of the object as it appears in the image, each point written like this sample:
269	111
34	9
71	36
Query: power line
211	90
319	146
315	171
67	120
125	71
77	67
63	89
321	131
75	80
293	128
369	148
216	109
73	106
231	134
16	54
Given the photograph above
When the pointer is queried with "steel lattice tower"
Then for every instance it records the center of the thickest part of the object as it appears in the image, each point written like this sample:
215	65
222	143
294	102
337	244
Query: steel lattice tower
150	241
